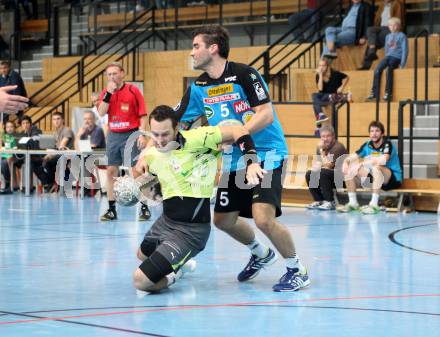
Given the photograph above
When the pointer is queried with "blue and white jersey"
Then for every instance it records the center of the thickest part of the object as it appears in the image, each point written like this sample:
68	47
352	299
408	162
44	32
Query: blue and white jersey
393	163
230	99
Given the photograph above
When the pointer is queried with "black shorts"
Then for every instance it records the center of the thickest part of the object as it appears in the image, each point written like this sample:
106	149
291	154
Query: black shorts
233	198
392	184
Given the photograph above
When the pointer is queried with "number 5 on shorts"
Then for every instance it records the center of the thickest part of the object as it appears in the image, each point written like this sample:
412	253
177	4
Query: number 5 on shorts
224	200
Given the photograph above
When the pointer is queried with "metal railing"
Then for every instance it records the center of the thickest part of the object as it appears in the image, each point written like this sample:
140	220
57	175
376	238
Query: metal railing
335	107
276	61
401	136
424	33
86	75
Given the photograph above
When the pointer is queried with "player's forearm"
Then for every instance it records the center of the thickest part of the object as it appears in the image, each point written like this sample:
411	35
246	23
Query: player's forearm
103	109
263	117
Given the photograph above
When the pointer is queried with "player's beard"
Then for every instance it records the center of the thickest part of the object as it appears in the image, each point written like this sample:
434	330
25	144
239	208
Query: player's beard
202	64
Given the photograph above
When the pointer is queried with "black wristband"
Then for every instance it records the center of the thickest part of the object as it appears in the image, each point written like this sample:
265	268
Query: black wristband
107	97
247	147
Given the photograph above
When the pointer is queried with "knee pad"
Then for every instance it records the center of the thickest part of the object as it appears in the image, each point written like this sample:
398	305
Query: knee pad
148	247
156	267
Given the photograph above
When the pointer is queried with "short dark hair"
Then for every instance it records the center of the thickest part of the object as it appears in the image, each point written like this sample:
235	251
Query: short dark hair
5	63
9	122
164	112
26	118
57	113
378	125
215	34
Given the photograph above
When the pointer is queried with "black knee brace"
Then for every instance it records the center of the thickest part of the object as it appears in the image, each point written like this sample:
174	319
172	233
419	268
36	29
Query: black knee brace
156	267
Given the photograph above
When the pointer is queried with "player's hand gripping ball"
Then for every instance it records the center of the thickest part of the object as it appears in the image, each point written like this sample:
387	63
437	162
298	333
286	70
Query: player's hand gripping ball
126	191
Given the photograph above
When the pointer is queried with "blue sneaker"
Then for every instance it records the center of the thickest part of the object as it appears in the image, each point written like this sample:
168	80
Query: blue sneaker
255	264
292	281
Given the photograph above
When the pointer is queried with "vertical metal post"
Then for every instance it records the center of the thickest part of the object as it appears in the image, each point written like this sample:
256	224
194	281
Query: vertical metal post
220	14
176	23
411	127
431	16
400	135
133	64
335	119
69	46
27	175
388	117
426	64
268	29
80	77
348	127
95	23
56	32
266	66
415	67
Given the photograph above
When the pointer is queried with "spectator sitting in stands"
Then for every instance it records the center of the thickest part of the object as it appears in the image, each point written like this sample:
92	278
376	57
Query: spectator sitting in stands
8	142
92	131
377	33
96	136
102	122
328	82
380	163
64	141
321	178
396	53
28	130
11	77
307	30
352	31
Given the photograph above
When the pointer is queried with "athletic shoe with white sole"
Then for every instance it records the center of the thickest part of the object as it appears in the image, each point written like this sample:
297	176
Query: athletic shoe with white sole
292	280
255	265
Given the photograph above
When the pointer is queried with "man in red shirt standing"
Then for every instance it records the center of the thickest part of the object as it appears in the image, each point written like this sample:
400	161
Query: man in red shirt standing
124	104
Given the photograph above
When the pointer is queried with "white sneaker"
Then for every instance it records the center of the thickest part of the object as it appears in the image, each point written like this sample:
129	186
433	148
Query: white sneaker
314	205
327	206
370	209
189	267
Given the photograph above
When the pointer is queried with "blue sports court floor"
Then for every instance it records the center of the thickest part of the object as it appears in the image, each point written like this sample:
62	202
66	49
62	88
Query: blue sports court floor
63	273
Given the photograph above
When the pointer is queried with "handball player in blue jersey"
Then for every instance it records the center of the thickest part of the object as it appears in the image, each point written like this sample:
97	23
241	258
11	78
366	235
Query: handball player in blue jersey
234	93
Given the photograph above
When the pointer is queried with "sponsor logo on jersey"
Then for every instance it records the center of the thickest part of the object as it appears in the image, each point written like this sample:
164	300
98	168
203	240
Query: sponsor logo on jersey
247	116
224	98
231	79
253	76
209	112
259	90
241	106
119	125
220	90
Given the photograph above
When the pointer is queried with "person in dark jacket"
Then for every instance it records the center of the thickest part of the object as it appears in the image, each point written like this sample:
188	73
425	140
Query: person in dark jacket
352	31
10	77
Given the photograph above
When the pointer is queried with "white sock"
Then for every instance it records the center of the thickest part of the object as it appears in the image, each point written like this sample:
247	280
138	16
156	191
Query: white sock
374	200
257	248
352	199
173	277
294	262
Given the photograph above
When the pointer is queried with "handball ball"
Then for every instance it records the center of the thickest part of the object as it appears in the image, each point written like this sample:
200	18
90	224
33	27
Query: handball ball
126	190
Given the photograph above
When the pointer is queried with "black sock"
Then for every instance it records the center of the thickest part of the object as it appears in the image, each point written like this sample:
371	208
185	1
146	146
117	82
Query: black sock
112	205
